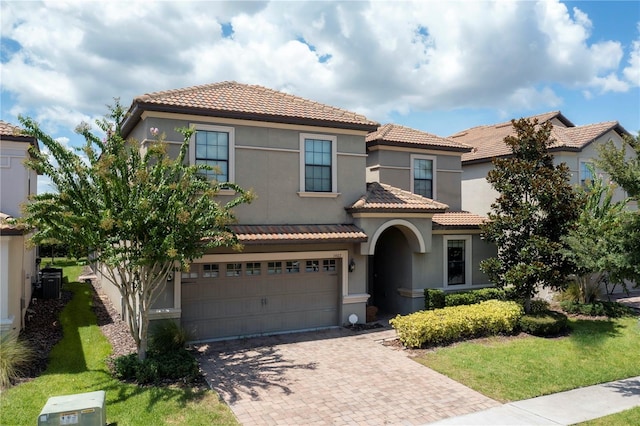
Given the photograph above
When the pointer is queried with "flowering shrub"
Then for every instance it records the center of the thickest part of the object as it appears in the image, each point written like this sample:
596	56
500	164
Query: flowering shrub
453	323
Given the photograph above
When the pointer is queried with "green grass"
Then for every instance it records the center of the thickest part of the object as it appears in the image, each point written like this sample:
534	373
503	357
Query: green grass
522	368
624	418
77	364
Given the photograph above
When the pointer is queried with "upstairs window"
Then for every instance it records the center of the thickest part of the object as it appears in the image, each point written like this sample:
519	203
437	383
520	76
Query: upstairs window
214	146
318	163
423	181
586	172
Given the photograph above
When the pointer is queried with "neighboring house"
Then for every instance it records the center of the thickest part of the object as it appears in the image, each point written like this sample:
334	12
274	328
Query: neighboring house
319	242
574	145
17	261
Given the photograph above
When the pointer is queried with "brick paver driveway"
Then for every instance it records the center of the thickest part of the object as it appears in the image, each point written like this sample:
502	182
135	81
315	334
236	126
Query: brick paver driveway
331	377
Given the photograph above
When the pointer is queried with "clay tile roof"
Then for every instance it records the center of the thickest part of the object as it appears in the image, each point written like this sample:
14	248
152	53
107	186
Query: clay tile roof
488	141
393	134
244	101
7	228
278	234
457	220
381	197
14	133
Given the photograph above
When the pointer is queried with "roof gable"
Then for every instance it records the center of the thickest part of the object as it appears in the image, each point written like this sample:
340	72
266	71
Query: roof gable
385	198
396	135
230	99
9	132
488	141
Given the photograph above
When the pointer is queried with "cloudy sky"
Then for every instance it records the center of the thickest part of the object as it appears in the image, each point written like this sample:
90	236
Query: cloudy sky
438	66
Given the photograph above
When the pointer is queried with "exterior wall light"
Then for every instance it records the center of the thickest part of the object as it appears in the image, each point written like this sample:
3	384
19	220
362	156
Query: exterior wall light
352	265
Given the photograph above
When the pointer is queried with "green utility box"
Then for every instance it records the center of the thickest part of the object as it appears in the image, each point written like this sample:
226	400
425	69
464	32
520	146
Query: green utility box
82	409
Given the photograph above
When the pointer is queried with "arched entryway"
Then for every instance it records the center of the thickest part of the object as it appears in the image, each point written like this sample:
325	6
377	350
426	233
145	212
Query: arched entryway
391	265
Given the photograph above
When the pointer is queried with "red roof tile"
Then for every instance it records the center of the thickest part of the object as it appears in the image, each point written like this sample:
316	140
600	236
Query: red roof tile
381	197
10	132
488	141
8	228
393	134
457	220
244	101
279	234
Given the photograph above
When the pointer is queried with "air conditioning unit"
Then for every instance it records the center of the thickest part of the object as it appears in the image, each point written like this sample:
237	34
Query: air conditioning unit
82	409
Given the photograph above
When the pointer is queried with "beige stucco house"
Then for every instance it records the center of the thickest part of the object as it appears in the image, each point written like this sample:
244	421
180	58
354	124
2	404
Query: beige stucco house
17	260
348	212
574	145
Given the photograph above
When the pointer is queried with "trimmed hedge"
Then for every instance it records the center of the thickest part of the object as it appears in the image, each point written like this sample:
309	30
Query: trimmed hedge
548	323
434	298
446	325
475	296
600	308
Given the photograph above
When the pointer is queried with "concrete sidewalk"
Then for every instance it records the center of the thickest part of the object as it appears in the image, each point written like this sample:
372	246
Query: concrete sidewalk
564	408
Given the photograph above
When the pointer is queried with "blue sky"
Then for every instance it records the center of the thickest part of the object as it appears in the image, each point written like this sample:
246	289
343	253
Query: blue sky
437	66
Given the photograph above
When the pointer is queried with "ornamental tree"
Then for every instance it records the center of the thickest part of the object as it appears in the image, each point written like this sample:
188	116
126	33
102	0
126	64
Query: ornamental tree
595	244
535	208
623	166
137	212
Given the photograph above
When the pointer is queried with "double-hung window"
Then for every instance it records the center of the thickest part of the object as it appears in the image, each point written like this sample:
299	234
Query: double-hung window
423	175
318	163
457	256
586	172
214	146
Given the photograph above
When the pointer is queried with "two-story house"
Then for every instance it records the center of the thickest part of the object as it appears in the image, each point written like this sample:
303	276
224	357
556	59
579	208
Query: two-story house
17	260
319	242
574	145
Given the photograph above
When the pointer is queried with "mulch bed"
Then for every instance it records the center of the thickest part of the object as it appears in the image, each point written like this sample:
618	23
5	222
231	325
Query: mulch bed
42	330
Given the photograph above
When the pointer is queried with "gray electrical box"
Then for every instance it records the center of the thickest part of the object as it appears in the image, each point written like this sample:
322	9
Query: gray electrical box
82	409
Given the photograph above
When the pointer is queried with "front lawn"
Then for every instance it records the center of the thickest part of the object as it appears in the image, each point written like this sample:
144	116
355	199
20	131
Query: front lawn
77	364
624	418
516	368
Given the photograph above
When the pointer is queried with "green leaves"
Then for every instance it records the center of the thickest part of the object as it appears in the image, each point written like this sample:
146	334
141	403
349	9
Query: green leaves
131	206
536	206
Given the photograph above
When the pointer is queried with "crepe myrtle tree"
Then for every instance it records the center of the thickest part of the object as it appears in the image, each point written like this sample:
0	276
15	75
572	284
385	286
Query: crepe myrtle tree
138	212
595	245
623	166
535	208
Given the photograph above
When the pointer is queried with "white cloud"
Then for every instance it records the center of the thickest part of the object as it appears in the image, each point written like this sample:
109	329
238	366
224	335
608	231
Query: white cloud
373	57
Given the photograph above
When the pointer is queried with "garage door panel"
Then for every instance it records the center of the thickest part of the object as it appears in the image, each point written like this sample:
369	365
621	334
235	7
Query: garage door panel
216	307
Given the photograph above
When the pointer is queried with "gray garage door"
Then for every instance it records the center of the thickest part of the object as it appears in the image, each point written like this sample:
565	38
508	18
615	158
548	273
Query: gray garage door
238	299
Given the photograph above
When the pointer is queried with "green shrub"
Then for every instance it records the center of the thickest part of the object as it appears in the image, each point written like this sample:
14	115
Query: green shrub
476	296
433	298
465	298
599	308
167	336
539	306
453	323
14	355
157	367
546	323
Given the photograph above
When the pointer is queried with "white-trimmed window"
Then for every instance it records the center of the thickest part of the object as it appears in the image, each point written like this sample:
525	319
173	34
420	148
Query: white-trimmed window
457	264
423	175
215	147
318	161
586	174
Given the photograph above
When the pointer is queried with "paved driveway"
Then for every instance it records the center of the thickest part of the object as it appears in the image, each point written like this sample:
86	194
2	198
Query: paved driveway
331	377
